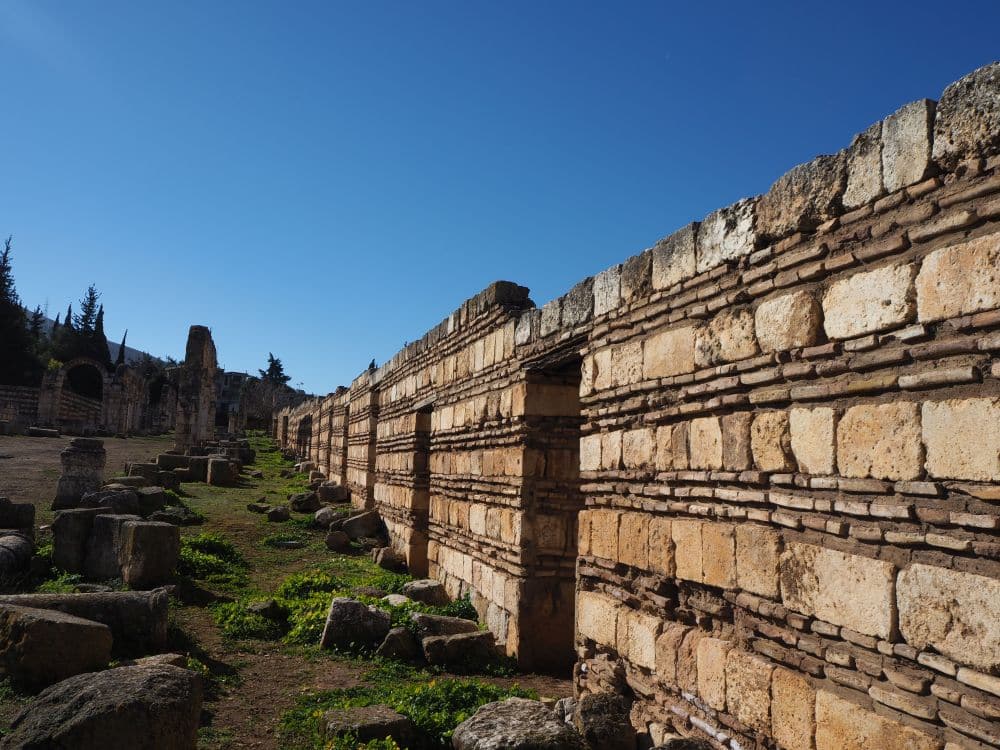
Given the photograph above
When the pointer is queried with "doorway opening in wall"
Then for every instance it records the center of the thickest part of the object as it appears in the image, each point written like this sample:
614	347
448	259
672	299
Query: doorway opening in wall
303	439
416	553
552	473
86	380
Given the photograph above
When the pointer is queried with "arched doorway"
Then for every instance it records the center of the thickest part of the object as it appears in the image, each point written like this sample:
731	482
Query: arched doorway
82	395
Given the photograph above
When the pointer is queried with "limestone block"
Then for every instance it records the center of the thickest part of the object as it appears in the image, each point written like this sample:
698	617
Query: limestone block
814	439
664	448
864	168
687	661
758	553
607	291
681	457
668	353
611	450
712	671
842	725
967	121
637	634
960	279
637	448
956	613
718	555
590	452
788	321
597	617
633	540
906	145
770	442
602	369
705	438
726	234
668	648
636	278
748	689
686	535
870	301
550	317
803	198
849	590
604	534
728	337
962	437
661	546
793	710
578	304
736	455
880	441
626	363
674	258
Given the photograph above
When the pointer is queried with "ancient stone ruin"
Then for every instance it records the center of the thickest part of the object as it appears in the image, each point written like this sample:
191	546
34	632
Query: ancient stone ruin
195	421
748	478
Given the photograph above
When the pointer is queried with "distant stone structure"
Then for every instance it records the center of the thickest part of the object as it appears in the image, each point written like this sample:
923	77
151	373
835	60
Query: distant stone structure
82	471
748	478
196	391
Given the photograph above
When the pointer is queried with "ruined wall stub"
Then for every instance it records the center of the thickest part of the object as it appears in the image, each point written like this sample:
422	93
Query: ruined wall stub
789	459
195	415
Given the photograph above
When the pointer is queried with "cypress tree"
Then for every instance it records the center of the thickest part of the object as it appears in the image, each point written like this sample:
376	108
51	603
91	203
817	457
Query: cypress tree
18	364
120	360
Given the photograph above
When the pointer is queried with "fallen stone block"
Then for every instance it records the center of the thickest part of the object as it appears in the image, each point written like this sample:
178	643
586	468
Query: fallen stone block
331	492
222	472
150	551
137	619
338	541
327	515
304	502
132	482
401	645
602	719
351	624
428	625
368	723
367	524
178	515
278	514
462	652
171	461
116	500
426	590
42	432
128	707
70	533
389	559
82	468
516	724
101	559
16	515
16	549
258	507
39	647
151	499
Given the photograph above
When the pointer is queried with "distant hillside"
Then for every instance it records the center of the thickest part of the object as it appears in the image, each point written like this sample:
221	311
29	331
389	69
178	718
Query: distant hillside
131	355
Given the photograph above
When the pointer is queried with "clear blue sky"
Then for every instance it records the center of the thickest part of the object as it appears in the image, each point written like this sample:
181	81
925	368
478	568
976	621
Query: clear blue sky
327	180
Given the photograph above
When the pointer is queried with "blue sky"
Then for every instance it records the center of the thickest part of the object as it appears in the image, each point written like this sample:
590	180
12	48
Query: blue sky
327	180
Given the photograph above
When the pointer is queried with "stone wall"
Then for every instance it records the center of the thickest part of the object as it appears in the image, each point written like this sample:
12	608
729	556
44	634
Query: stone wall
18	406
195	412
770	446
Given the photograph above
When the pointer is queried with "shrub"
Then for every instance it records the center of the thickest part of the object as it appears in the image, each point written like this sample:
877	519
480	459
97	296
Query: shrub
238	623
209	557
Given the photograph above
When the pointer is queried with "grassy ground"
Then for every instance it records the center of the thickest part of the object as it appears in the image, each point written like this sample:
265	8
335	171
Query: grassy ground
268	681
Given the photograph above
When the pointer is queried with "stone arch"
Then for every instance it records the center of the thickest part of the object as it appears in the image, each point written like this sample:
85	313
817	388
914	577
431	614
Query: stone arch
75	396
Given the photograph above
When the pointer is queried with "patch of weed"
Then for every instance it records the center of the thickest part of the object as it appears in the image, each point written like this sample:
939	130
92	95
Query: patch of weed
211	558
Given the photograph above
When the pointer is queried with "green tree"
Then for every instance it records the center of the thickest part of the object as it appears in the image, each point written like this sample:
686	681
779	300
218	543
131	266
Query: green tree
86	321
18	363
275	372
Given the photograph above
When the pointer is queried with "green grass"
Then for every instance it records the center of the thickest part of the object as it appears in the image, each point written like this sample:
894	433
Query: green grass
435	706
211	558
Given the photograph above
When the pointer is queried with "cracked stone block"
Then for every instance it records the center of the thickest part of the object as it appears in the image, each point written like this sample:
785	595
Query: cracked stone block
870	301
803	198
669	353
960	279
728	337
882	441
906	145
967	121
962	438
770	441
674	259
814	439
864	168
789	321
726	234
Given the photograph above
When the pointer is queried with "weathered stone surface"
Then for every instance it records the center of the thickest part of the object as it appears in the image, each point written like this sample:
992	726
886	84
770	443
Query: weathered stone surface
712	671
842	725
864	168
793	710
727	234
337	541
728	337
389	559
362	525
140	707
849	590
637	633
960	279
788	321
350	623
770	441
687	548
602	719
668	353
962	438
705	438
278	514
101	560
674	258
461	652
956	613
222	472
597	617
803	198
626	364
578	304
331	492
748	689
137	619
880	441
70	533
428	625
400	644
151	499
637	448
967	121
426	590
668	646
906	145
607	291
39	647
590	452
115	498
367	723
82	469
637	277
870	301
16	549
758	553
150	551
718	555
814	439
305	502
516	724
736	454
